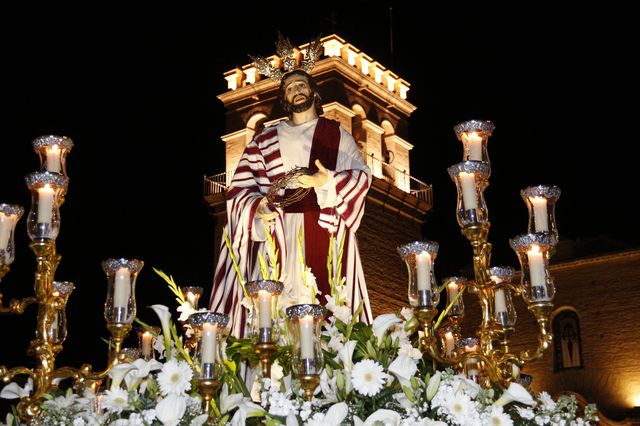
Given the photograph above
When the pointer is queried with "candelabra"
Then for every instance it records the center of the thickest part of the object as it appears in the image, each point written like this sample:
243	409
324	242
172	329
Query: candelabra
48	188
486	357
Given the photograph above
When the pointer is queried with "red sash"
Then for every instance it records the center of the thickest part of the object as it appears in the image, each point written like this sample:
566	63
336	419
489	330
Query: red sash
324	147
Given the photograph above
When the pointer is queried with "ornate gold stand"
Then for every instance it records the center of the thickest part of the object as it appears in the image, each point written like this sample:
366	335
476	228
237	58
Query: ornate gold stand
309	383
208	388
264	351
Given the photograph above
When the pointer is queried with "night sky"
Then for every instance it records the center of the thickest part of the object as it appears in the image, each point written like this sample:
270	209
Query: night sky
137	94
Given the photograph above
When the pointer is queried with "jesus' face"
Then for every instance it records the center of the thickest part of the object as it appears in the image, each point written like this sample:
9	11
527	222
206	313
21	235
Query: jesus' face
298	96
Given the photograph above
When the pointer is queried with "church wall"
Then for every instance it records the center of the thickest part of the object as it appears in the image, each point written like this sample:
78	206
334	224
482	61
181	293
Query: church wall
604	291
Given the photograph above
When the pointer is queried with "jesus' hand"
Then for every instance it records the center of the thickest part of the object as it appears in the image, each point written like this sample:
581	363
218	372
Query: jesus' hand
315	180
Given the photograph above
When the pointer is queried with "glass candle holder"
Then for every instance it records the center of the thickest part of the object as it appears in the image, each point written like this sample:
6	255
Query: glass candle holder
474	135
532	251
146	341
120	306
130	354
264	297
448	336
57	327
471	179
192	295
473	365
43	220
210	328
305	322
10	214
53	151
541	204
419	256
504	312
454	285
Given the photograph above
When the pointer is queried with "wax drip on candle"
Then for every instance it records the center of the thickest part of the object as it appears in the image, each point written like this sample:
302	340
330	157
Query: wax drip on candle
468	184
306	337
209	344
54	164
541	223
122	288
474	145
7	224
423	271
45	203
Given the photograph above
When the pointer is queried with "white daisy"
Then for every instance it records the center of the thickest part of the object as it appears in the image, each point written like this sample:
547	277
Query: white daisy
115	400
175	377
497	417
368	377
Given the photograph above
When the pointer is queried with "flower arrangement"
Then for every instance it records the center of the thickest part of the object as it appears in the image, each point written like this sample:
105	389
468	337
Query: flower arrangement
372	375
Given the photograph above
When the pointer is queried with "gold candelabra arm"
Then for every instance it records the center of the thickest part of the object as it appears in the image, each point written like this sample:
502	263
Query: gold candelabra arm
541	311
17	306
477	235
429	342
118	332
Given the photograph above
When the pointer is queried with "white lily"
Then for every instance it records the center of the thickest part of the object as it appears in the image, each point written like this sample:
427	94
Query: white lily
346	354
404	368
336	414
246	409
13	390
118	372
185	310
328	386
384	417
165	320
228	402
292	420
277	373
171	409
402	399
382	323
515	392
434	384
143	369
466	386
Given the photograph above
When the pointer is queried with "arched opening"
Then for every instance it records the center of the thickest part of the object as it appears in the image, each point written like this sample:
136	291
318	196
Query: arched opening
567	348
255	124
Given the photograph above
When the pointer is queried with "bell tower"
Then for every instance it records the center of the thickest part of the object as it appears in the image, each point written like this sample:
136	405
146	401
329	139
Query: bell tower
370	102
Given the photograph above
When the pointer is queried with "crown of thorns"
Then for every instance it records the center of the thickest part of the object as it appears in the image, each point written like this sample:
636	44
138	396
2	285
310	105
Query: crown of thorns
287	56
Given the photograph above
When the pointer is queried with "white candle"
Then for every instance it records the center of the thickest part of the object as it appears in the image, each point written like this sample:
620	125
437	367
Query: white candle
147	339
474	146
7	224
191	298
209	344
449	343
264	309
53	159
306	337
500	301
536	266
423	271
472	370
122	288
540	221
45	204
452	291
468	183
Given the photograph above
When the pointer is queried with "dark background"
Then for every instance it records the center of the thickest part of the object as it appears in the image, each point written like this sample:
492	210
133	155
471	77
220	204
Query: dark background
136	91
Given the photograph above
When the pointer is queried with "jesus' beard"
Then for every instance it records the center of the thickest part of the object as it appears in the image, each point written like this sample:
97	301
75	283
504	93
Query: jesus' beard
296	108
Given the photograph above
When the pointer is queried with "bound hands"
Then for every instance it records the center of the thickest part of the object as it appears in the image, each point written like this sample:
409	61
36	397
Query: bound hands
264	213
315	180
